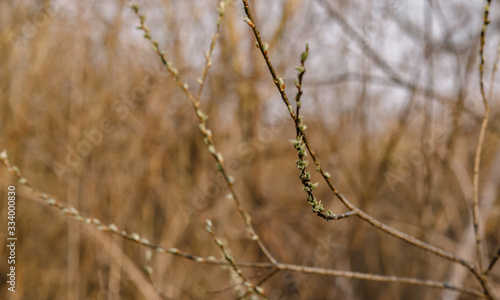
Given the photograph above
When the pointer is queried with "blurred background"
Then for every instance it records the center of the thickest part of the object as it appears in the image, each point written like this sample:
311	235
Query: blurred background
393	109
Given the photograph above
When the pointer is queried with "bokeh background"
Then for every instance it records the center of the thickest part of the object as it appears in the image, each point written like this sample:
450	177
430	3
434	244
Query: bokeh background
392	104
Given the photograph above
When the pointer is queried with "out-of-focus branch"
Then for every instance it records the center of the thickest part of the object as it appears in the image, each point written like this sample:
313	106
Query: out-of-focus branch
380	61
274	267
245	282
493	261
479	147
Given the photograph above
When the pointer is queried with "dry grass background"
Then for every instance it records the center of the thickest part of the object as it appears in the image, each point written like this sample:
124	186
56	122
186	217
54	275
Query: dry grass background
69	66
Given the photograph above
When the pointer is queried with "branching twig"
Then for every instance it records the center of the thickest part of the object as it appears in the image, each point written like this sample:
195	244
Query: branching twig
493	262
384	66
149	271
268	276
299	145
381	278
274	267
246	283
221	9
202	117
355	210
111	228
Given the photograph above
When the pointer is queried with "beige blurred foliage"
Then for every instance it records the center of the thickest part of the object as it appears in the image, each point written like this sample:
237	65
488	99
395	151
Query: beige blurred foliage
90	115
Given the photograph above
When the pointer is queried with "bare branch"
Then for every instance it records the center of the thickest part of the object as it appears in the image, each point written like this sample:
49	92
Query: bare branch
202	117
479	147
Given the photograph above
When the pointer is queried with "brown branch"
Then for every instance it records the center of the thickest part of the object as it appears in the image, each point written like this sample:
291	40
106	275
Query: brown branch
479	147
361	214
245	282
275	267
493	262
381	62
202	117
381	278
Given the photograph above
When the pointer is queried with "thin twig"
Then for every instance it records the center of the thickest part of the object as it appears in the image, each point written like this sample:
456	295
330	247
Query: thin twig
268	276
245	282
202	117
274	267
299	145
381	278
384	66
479	147
221	9
149	271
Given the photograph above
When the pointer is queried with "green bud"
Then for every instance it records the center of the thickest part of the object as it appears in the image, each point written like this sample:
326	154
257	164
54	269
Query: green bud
134	7
314	185
304	54
265	47
300	69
